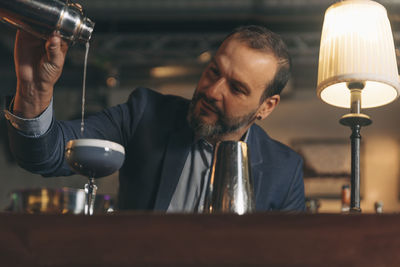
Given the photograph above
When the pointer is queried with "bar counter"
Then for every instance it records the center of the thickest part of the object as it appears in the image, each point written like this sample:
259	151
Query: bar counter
150	239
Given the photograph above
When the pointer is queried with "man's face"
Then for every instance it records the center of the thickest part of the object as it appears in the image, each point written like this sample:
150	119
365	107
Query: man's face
228	94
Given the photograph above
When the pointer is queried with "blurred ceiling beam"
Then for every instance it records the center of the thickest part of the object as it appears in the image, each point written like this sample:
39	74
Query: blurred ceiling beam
200	9
134	36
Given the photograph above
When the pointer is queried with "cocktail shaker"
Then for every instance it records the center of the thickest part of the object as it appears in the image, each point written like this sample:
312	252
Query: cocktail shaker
42	17
230	188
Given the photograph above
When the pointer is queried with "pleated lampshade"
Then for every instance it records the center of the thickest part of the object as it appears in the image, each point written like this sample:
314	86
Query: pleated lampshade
357	46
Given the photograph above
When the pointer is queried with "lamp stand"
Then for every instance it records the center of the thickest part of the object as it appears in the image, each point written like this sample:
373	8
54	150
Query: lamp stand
355	119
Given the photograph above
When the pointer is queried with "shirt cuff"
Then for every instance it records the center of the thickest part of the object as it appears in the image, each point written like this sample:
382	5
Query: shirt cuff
31	127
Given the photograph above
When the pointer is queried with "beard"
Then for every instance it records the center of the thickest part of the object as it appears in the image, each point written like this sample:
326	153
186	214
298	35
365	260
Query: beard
223	125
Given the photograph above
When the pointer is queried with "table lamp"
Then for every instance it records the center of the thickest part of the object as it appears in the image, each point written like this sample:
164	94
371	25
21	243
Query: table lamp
357	69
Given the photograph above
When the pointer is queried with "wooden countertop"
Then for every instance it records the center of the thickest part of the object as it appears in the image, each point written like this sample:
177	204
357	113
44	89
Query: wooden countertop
148	239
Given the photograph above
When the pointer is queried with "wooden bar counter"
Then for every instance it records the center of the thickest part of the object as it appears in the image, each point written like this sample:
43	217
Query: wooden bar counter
149	239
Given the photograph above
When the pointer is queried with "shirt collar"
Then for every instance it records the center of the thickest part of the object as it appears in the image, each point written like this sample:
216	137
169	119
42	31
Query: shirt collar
206	145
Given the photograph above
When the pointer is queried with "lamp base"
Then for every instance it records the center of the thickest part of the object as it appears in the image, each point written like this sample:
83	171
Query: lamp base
355	210
353	119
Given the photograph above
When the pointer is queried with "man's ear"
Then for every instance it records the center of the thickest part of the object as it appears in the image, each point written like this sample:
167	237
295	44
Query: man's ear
268	106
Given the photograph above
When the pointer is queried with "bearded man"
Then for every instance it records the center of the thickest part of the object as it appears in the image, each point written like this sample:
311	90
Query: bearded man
168	140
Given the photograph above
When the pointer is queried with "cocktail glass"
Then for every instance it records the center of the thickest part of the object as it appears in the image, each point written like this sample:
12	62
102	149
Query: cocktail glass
93	158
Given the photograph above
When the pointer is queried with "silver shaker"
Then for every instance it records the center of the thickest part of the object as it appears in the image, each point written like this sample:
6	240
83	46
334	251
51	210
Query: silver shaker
42	17
230	188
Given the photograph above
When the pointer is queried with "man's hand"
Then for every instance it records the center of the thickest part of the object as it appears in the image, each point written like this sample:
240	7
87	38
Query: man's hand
38	65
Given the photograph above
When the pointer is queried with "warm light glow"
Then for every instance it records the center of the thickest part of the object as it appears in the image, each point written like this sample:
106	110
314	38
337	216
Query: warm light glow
345	19
357	45
111	82
374	94
168	71
204	57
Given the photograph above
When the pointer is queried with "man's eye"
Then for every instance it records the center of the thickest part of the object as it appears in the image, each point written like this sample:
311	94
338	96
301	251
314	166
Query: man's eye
237	89
214	71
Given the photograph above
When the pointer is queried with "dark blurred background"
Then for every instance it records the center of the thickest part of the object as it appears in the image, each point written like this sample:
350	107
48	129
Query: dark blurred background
165	44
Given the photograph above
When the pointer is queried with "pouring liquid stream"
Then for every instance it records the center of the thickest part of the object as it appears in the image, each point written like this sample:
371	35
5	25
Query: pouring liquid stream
84	88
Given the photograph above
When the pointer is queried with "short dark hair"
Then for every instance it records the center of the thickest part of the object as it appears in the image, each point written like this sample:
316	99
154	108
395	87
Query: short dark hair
262	39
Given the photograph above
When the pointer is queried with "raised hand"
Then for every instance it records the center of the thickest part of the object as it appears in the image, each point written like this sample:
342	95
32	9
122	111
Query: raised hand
38	66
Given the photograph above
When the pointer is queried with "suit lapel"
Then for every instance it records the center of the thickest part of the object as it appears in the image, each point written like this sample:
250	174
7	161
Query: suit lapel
256	161
176	154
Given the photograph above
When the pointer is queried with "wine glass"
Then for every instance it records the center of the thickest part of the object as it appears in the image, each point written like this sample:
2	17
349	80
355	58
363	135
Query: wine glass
93	158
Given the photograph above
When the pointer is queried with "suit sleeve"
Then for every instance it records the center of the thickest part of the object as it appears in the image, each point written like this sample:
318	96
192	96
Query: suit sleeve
295	200
45	154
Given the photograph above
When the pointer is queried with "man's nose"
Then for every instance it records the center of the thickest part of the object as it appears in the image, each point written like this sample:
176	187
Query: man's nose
215	90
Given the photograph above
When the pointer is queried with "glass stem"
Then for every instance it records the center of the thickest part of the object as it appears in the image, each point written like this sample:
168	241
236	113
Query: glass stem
90	191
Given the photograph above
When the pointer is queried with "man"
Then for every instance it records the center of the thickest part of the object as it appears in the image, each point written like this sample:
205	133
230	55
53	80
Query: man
168	140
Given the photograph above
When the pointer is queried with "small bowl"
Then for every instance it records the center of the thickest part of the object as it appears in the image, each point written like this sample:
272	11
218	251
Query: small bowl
94	158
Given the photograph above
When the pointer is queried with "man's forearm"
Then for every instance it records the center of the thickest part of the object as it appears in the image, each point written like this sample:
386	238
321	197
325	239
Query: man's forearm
29	102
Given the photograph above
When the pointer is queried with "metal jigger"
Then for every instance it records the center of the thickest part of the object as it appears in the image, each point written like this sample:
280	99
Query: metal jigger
230	188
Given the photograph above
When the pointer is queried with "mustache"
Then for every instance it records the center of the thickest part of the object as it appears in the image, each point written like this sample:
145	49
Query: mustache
210	102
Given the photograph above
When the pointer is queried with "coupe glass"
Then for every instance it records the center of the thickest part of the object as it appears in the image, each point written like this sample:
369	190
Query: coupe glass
93	158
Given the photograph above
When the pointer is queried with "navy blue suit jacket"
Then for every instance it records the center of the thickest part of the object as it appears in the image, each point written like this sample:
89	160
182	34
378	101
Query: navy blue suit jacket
157	139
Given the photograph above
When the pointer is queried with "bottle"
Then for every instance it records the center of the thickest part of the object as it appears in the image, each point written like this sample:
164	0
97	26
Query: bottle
312	205
42	17
379	207
345	198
